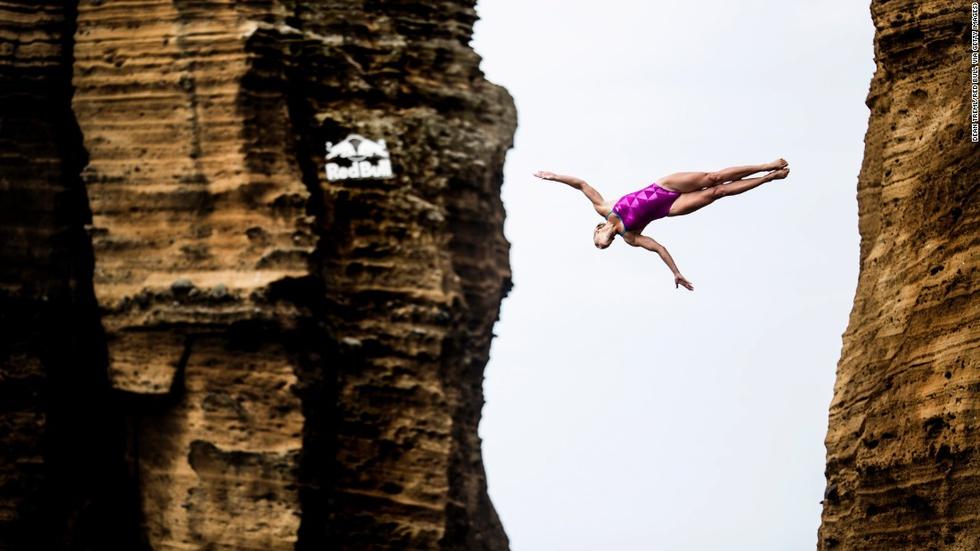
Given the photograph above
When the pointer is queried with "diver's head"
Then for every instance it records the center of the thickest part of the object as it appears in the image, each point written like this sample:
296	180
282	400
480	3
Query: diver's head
603	234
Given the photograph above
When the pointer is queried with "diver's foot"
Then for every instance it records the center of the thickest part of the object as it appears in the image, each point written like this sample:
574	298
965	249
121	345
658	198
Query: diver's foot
779	174
777	164
545	175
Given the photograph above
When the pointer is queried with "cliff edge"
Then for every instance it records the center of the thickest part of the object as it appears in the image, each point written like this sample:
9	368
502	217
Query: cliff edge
903	445
214	338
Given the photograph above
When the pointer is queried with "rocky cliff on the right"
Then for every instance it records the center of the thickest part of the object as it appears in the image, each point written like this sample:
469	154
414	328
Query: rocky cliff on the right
903	445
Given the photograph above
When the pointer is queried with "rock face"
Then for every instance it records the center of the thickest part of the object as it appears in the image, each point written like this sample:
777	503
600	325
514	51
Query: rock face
903	447
207	343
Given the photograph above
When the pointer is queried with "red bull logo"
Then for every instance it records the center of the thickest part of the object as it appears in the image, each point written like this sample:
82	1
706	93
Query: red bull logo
357	157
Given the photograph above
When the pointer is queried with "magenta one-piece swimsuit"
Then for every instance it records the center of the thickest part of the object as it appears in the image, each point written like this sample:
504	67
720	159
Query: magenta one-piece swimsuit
639	208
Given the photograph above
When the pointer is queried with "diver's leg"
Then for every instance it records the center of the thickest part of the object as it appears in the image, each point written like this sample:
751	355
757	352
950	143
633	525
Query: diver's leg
741	186
690	202
686	182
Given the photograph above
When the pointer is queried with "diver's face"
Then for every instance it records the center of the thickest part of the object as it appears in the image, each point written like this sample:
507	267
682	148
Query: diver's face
600	237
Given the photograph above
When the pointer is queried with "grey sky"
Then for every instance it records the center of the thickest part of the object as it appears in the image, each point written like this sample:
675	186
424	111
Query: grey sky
623	413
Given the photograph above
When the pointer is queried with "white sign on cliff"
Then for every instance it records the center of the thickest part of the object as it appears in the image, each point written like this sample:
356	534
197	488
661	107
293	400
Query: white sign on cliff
357	157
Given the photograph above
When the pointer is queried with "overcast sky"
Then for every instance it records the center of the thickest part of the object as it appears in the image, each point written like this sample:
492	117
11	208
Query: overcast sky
622	413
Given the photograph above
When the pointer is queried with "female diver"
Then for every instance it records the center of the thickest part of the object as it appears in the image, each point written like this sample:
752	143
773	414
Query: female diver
674	195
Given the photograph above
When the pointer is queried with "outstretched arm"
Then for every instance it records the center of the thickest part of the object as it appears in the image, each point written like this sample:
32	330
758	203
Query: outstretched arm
649	244
590	192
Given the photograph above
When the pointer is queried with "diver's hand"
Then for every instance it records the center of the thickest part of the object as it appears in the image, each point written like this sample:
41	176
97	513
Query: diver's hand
681	280
545	175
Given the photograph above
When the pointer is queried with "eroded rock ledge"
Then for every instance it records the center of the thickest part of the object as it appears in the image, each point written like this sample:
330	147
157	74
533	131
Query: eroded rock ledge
204	331
903	464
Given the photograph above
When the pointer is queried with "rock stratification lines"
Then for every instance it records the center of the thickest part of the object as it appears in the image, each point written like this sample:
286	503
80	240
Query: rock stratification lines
903	447
281	361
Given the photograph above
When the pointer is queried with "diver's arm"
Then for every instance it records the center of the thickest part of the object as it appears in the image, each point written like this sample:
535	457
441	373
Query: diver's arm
649	244
590	192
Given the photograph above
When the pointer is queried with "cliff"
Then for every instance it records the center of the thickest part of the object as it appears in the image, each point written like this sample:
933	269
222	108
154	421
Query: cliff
903	445
210	339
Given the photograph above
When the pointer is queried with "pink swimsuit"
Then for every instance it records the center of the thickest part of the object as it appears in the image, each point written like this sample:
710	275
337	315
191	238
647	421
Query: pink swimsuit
639	208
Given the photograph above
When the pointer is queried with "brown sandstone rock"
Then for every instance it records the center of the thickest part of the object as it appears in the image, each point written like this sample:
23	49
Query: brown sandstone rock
211	344
903	447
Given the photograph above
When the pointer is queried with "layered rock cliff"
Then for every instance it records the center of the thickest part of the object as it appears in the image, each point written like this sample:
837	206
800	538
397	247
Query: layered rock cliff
207	342
903	446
